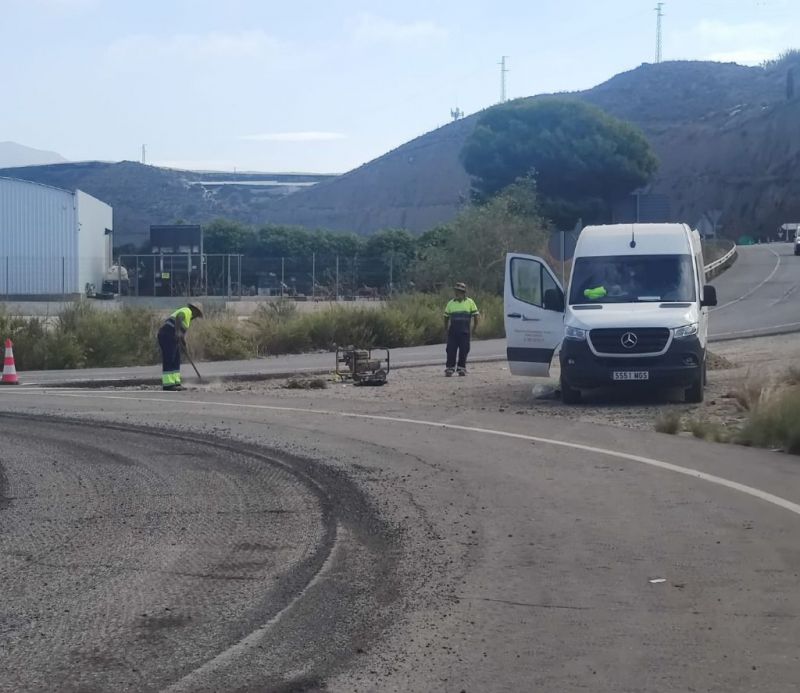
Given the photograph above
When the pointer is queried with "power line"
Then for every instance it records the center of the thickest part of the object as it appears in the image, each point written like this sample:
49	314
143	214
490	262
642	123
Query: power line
659	17
503	72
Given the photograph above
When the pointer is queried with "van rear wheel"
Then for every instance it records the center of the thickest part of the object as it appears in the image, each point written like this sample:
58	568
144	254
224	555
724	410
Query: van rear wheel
569	395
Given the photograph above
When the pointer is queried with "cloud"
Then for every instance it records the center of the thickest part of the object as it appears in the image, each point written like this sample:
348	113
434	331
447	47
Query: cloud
747	33
369	28
307	136
747	43
214	45
752	56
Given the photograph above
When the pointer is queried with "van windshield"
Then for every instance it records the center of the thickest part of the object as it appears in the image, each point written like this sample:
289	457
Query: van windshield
632	279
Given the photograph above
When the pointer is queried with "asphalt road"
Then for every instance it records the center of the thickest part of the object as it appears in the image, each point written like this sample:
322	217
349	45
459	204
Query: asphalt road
131	559
497	552
757	296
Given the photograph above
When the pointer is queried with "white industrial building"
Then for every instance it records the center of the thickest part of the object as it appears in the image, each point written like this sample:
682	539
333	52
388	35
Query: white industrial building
53	242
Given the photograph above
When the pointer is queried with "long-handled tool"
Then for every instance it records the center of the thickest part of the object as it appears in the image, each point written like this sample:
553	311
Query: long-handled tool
189	358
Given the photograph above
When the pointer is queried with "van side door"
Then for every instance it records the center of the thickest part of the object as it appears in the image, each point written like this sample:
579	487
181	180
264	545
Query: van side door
533	303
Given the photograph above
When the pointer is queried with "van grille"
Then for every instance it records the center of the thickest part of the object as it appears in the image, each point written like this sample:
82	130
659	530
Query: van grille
648	340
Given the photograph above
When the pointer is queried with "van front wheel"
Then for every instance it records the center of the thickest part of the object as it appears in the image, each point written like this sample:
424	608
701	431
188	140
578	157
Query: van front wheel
569	395
694	393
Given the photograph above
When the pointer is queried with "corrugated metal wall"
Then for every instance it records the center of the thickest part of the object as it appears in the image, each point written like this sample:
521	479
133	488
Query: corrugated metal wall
38	240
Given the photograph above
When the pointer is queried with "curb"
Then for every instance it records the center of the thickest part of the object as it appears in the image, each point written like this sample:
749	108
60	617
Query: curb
235	377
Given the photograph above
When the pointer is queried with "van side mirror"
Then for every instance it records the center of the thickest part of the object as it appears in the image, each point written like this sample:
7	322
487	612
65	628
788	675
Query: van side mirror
709	297
553	300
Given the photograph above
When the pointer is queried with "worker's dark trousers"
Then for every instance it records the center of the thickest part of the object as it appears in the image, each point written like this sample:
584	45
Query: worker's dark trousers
170	357
457	344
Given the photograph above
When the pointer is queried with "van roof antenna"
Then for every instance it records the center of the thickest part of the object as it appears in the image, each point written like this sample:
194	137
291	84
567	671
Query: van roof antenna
633	237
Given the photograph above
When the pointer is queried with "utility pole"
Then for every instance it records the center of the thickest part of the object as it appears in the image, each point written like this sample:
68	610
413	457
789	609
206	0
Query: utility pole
144	153
659	17
503	72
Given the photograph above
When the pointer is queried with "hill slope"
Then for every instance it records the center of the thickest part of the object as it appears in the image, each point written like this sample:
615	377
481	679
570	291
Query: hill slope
142	195
13	154
725	134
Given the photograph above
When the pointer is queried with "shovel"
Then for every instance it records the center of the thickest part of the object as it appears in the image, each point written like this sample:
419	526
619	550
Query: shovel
189	358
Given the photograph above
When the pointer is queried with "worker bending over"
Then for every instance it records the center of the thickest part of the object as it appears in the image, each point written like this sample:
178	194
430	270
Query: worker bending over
171	337
460	314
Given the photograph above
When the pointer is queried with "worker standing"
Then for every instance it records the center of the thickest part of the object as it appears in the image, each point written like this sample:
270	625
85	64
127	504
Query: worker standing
171	337
460	315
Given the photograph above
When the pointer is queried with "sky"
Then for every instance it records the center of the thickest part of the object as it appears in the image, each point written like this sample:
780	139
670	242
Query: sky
325	85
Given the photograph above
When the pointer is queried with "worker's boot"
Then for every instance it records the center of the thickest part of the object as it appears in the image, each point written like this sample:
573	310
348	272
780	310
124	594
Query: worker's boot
448	372
462	371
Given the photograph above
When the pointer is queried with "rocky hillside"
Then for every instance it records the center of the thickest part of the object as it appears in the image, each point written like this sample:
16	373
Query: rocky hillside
726	136
143	195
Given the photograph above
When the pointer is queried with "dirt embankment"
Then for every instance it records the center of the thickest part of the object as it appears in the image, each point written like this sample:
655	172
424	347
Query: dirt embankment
735	366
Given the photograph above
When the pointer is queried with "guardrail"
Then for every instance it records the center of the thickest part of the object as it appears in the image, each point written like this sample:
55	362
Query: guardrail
714	268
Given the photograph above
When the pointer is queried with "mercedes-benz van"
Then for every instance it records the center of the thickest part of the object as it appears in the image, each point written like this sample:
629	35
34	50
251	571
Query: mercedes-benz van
635	312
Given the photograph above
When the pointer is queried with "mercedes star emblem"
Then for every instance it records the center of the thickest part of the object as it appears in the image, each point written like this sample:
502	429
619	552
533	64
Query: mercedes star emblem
629	340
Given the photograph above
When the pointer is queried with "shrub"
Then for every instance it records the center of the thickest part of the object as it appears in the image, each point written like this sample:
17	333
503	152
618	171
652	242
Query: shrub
775	422
707	430
749	393
220	340
668	422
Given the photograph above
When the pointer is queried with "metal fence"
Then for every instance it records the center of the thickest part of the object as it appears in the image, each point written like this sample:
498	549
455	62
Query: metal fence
310	277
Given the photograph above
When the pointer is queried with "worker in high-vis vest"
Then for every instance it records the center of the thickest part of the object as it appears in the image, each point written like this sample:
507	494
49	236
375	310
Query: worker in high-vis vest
460	315
171	337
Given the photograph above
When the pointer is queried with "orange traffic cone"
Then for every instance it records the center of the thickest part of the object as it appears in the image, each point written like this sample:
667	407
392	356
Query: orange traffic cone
9	369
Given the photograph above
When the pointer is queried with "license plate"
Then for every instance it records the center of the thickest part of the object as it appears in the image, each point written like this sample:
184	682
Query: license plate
631	375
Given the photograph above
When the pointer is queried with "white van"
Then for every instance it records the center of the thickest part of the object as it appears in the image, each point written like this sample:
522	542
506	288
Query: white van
636	314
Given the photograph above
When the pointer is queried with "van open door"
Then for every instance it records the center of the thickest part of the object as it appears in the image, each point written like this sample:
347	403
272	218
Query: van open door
534	315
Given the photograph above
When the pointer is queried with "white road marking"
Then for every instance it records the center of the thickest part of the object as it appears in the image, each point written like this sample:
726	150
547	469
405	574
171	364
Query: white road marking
649	461
754	289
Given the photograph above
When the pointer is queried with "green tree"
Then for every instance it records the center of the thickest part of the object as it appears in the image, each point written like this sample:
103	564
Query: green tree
388	255
582	158
227	236
473	247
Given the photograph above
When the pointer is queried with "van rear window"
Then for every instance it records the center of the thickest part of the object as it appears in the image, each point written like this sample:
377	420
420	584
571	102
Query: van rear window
633	279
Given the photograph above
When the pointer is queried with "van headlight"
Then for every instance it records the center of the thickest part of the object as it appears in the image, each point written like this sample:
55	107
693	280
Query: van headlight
575	333
686	331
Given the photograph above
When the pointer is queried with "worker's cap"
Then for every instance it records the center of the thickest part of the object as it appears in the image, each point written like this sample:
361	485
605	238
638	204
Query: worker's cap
460	286
197	309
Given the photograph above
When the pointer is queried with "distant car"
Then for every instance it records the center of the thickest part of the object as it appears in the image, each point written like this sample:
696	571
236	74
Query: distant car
797	245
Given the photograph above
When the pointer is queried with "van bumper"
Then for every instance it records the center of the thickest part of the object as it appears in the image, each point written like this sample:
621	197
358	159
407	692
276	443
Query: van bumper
678	367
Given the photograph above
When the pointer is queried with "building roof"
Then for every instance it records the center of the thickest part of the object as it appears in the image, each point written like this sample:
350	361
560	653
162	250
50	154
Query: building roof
41	185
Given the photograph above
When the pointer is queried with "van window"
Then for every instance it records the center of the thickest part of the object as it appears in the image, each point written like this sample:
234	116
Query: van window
526	280
633	279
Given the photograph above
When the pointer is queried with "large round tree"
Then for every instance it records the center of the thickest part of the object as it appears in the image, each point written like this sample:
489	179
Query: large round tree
583	159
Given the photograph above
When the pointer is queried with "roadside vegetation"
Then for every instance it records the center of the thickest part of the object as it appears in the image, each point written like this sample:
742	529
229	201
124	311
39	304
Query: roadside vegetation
572	161
771	416
82	336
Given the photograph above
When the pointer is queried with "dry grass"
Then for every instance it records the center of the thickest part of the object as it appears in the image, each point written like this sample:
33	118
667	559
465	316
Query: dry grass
774	422
669	423
749	392
306	384
708	430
